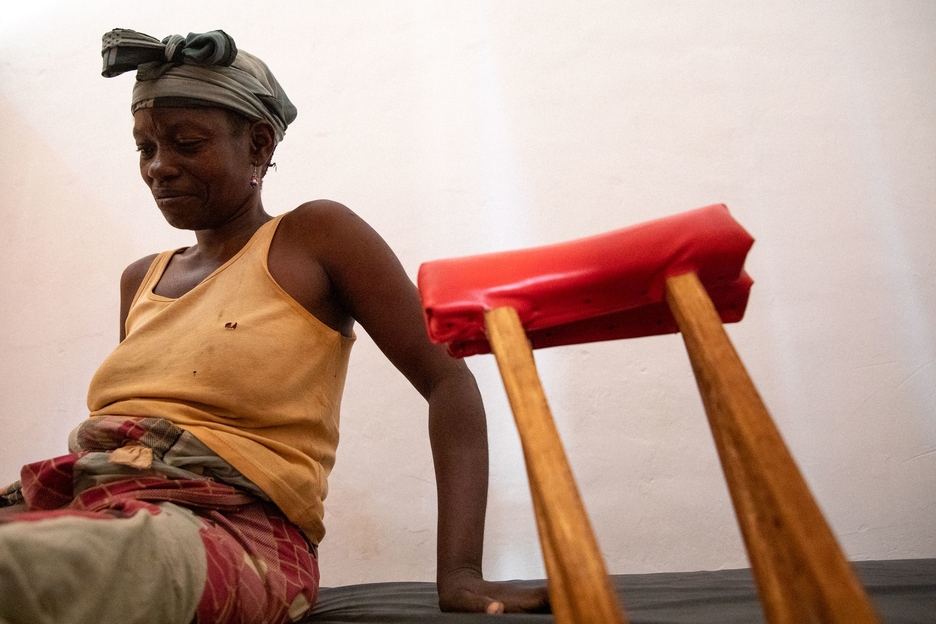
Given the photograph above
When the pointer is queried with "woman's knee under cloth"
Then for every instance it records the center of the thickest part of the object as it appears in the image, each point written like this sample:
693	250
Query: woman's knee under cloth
164	563
149	567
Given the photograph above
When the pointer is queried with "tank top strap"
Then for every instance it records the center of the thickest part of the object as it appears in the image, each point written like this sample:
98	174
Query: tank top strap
259	243
155	271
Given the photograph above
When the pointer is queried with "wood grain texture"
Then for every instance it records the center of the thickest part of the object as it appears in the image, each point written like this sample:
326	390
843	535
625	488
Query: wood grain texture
580	589
801	572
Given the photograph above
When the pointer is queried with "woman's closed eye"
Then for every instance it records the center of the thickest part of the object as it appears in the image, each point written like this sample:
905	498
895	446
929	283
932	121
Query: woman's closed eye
188	146
146	150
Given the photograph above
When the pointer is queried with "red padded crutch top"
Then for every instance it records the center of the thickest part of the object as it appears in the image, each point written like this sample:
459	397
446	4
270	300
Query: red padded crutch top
602	287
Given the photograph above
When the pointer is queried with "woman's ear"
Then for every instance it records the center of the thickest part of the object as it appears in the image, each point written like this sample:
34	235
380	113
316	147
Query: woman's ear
262	142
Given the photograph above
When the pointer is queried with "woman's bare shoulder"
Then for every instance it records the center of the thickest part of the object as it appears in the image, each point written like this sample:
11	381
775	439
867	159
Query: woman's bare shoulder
324	225
319	213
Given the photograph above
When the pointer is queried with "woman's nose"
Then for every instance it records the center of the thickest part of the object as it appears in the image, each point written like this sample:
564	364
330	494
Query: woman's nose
161	166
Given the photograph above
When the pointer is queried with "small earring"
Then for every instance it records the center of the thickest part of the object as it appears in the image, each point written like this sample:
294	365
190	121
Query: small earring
254	179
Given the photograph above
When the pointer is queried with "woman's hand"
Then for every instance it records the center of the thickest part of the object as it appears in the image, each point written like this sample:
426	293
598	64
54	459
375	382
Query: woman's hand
467	591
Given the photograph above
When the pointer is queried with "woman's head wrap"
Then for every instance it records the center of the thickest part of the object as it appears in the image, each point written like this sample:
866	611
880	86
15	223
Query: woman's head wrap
201	69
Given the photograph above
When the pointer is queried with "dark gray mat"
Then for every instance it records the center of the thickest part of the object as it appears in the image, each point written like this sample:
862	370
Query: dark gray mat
904	592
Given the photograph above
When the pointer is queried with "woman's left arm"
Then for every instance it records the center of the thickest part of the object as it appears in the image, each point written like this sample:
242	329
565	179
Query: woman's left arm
375	290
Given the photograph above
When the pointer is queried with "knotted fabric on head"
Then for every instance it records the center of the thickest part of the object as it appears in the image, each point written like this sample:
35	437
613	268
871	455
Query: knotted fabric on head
202	68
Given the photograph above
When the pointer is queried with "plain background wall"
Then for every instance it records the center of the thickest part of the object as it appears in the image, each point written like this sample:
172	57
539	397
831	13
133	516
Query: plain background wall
465	127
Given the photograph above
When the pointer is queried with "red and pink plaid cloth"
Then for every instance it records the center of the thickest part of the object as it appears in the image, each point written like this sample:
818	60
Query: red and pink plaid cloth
260	567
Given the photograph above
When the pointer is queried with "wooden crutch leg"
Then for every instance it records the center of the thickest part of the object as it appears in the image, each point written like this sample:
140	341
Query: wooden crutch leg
583	592
776	578
559	600
794	555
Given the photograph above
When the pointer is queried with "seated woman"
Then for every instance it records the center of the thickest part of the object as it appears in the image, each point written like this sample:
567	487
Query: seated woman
195	488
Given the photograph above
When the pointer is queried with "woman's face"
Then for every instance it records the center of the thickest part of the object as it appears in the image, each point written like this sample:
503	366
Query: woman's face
196	164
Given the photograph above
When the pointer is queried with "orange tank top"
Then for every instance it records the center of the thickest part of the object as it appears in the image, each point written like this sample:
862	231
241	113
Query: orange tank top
242	366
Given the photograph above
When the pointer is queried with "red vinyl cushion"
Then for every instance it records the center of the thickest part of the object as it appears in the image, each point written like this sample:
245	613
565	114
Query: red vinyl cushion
603	287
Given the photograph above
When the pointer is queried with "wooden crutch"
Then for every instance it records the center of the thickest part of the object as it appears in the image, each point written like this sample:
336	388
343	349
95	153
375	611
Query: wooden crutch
579	587
801	572
681	273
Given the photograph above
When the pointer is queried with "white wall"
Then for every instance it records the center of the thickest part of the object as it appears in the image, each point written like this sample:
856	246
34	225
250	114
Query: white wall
458	128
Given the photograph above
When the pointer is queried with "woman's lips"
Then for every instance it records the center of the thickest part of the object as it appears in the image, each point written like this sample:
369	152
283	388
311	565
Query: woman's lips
169	197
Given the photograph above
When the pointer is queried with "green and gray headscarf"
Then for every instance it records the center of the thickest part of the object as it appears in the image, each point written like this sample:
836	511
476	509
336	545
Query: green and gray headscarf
200	69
